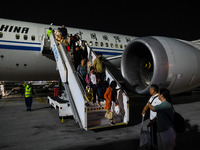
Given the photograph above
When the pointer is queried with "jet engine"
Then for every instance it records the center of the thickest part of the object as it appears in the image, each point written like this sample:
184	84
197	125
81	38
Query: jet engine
167	62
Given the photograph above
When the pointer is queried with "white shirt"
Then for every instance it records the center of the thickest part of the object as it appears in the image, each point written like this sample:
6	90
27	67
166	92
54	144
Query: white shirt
58	35
93	78
156	102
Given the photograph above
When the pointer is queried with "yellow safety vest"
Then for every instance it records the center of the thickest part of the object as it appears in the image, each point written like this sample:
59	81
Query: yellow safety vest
28	92
49	33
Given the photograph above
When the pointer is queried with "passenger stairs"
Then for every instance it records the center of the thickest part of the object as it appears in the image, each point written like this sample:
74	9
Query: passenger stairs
73	100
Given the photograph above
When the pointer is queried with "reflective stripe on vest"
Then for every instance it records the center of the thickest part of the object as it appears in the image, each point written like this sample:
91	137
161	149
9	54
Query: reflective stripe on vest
28	92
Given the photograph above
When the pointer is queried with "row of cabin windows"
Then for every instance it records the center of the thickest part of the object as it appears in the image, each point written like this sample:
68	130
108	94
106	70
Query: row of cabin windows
107	45
17	36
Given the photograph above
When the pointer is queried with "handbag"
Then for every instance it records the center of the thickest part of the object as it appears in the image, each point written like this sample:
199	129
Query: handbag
117	110
89	93
145	138
109	115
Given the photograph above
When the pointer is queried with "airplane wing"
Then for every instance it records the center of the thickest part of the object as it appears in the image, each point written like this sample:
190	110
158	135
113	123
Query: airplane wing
114	61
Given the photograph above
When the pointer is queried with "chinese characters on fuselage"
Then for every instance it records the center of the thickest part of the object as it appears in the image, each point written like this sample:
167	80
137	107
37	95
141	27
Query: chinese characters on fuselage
106	38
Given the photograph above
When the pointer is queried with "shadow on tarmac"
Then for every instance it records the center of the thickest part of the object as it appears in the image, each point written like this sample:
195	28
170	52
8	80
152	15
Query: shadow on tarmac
41	108
119	145
189	139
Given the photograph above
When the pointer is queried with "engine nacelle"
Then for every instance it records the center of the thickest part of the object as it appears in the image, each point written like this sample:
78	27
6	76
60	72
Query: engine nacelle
167	62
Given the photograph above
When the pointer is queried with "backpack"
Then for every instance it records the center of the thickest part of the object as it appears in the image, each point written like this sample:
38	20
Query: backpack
179	123
87	79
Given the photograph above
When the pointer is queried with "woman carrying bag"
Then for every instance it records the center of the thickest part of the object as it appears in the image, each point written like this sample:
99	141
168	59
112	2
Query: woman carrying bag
110	96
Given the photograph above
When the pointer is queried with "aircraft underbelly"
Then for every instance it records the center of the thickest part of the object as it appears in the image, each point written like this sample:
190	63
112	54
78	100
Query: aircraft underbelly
26	65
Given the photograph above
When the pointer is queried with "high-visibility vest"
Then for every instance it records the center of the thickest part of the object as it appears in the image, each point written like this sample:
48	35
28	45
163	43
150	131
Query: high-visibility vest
49	33
28	92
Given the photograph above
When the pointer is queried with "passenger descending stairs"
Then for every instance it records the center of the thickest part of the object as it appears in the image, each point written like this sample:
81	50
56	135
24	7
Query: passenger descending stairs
86	115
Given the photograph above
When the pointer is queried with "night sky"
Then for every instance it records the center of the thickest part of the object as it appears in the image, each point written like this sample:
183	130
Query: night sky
144	18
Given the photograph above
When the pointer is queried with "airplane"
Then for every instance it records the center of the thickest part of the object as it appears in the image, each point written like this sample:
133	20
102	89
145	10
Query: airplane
168	62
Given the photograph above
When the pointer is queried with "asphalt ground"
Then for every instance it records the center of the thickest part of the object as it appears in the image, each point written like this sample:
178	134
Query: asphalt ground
43	130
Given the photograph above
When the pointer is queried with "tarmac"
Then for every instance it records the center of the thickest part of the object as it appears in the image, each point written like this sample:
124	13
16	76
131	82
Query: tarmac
42	129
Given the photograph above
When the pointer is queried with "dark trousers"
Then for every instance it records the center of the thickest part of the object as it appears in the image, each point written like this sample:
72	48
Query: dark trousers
95	92
28	102
83	81
153	132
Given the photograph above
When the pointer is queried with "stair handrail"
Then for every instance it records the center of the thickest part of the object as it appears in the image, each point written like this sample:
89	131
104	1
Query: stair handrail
74	71
106	69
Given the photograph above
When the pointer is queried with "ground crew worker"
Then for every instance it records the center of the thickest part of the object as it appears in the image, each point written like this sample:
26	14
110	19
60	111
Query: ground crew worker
49	32
28	96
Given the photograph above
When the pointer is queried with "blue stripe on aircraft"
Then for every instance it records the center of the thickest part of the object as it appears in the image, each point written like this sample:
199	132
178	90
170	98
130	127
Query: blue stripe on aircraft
15	47
29	48
20	42
117	51
107	53
108	49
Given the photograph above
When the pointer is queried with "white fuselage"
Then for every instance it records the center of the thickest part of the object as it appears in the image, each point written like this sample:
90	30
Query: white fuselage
21	44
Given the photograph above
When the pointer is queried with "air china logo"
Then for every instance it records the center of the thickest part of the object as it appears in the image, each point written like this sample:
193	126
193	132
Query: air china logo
15	29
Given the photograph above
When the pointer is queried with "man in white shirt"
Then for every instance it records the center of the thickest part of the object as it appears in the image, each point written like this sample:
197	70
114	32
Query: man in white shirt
154	101
153	90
